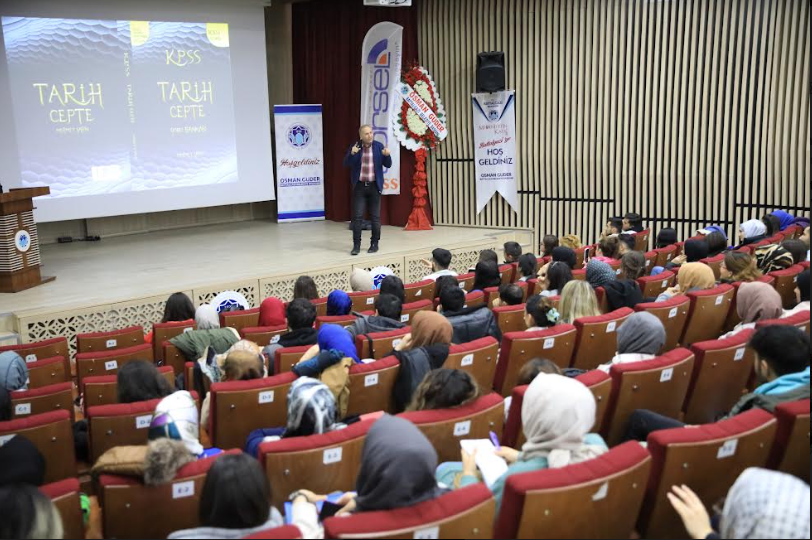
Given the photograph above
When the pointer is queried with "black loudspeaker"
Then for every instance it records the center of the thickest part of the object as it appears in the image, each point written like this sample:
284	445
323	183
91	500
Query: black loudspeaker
490	72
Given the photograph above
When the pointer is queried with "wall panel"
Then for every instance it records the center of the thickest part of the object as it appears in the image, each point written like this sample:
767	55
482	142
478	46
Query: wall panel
689	112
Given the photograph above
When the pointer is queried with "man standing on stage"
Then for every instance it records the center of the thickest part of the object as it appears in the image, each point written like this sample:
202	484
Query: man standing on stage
366	160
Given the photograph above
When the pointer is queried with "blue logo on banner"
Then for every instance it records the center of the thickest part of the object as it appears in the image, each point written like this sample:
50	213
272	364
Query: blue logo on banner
299	136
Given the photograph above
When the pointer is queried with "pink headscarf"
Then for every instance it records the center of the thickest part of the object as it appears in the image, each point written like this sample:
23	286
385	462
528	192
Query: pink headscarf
272	312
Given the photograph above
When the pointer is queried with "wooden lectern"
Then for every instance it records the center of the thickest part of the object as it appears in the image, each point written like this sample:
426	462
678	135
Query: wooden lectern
19	242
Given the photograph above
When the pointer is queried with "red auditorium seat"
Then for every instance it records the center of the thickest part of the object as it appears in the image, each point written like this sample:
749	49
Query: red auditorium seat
464	513
41	350
600	498
104	390
174	358
122	424
421	290
580	256
651	261
506	272
600	384
66	498
109	362
48	371
654	286
474	299
579	274
321	306
510	318
785	283
666	255
477	358
603	301
364	301
380	344
133	510
239	407
412	309
264	335
533	287
733	318
371	386
51	433
446	428
716	264
286	358
596	343
279	533
555	344
166	331
673	313
320	463
108	341
238	320
708	459
466	281
707	315
56	397
641	240
341	320
658	385
721	371
790	450
799	320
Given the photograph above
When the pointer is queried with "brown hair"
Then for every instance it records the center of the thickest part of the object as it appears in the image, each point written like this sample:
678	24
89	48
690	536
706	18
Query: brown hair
444	389
742	267
633	265
610	247
532	368
571	241
242	366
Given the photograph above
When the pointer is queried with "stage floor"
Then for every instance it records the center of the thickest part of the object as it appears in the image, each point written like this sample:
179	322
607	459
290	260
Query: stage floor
199	260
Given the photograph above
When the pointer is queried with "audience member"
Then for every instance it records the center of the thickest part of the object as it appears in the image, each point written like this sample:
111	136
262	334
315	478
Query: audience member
28	513
528	267
739	267
272	313
626	243
469	323
640	338
772	224
598	273
540	314
334	344
632	265
613	227
13	372
556	277
235	501
141	381
666	237
692	277
20	460
801	294
339	303
443	282
206	318
756	302
550	242
608	250
785	220
632	223
425	349
301	316
806	239
624	291
693	251
239	365
394	285
572	241
797	249
558	414
565	255
509	295
717	243
513	250
486	276
773	258
444	389
179	308
361	281
528	372
388	308
305	288
751	232
578	300
440	261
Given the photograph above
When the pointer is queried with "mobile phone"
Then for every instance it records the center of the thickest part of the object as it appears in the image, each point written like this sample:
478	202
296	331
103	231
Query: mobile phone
328	510
586	255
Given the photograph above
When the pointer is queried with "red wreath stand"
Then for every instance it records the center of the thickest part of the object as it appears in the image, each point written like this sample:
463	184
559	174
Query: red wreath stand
419	219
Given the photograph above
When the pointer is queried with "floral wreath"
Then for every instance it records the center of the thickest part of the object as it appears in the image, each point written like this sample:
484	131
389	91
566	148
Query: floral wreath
410	129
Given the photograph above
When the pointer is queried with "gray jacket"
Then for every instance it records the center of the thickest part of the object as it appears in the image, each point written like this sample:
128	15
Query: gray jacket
372	324
473	323
768	403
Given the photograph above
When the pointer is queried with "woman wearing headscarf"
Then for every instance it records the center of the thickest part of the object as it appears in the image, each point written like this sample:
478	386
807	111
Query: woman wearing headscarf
361	281
761	504
486	275
756	302
206	318
424	349
338	304
558	414
785	219
640	338
599	274
13	372
692	277
693	251
801	295
773	258
312	410
272	313
750	232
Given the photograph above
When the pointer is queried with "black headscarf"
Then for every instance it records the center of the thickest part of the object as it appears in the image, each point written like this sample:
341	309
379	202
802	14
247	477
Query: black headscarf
565	255
21	463
666	237
397	467
696	250
487	275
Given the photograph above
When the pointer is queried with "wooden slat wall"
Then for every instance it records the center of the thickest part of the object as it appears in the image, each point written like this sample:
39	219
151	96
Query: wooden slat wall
690	112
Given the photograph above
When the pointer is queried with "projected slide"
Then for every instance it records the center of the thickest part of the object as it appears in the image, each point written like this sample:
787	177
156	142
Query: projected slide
121	106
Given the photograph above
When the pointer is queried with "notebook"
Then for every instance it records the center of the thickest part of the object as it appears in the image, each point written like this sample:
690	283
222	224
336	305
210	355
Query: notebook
489	464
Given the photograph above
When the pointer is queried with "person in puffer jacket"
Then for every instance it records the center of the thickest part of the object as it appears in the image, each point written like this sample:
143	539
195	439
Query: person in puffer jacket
388	309
471	323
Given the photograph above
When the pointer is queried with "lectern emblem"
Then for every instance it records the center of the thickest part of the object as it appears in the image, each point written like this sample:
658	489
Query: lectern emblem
22	241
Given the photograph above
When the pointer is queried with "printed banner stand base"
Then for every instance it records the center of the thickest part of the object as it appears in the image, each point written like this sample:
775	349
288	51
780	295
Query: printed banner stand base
419	219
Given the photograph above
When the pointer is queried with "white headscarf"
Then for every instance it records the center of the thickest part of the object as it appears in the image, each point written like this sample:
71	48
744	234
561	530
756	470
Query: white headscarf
176	418
557	413
206	318
753	228
766	504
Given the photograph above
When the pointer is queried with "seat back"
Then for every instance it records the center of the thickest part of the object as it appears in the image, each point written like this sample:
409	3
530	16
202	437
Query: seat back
464	513
65	496
673	313
371	386
290	532
641	240
716	264
364	301
474	299
286	358
340	320
240	319
706	458
446	428
238	408
109	362
104	390
56	397
410	310
320	463
596	343
665	255
420	290
174	358
580	274
477	358
789	452
580	255
552	503
191	385
799	320
707	315
657	385
50	348
380	344
321	306
600	384
466	281
506	273
52	434
651	261
510	318
47	371
109	341
654	286
555	344
169	507
264	335
164	332
721	371
785	283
